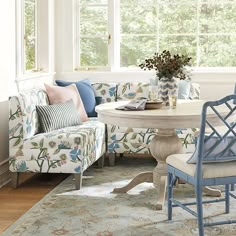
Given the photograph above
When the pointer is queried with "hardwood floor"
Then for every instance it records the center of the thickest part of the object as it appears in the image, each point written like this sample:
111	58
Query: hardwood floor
15	202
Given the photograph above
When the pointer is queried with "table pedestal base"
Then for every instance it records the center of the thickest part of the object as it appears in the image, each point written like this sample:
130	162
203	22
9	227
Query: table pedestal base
165	143
138	179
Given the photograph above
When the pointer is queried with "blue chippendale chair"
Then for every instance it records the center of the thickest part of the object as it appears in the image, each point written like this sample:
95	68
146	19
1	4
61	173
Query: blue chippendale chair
212	163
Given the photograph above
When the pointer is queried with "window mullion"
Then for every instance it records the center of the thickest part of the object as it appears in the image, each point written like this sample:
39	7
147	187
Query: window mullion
76	35
114	31
198	54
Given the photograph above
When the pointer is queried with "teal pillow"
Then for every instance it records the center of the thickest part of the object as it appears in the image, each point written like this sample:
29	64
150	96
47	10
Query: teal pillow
184	89
86	93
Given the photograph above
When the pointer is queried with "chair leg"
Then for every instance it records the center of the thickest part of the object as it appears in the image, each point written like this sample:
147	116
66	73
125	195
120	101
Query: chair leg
232	187
101	161
15	179
169	195
78	181
112	157
198	192
227	202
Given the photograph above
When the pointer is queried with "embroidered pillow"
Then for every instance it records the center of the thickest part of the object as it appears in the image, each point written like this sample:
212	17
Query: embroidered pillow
57	94
57	116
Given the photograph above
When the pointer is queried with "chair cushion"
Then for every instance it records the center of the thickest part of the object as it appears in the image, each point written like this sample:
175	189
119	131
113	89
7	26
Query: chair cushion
58	94
211	170
86	93
57	116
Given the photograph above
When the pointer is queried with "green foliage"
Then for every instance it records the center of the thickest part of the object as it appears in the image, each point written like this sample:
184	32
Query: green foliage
148	26
167	65
30	35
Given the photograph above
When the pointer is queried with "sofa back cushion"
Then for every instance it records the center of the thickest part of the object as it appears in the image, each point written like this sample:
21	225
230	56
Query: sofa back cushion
134	90
105	92
28	101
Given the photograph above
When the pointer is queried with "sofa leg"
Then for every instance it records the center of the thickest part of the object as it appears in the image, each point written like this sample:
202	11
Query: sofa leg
78	181
15	179
101	161
112	157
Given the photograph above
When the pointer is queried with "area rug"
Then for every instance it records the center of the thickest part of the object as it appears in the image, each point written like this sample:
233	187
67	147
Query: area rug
94	210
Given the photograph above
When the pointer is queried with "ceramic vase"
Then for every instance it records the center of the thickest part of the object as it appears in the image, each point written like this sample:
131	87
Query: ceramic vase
167	87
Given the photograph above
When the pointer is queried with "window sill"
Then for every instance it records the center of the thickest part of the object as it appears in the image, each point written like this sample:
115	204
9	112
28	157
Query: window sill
34	76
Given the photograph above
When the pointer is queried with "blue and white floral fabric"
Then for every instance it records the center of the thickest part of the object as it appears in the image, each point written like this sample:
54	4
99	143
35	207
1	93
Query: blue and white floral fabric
68	150
137	140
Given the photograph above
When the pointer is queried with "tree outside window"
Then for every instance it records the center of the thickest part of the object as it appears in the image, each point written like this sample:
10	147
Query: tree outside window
30	35
203	29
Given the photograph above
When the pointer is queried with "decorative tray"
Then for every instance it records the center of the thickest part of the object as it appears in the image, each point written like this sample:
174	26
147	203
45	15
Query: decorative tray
153	104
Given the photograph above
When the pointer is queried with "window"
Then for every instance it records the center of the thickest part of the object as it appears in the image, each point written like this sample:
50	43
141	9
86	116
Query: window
203	29
35	38
30	35
92	28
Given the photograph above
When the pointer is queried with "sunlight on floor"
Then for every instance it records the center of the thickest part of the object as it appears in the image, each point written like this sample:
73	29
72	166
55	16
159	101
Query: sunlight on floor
105	190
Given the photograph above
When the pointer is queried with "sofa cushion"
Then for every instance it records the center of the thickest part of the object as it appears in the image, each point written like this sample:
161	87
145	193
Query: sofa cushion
127	91
83	143
120	129
57	94
105	92
57	116
86	93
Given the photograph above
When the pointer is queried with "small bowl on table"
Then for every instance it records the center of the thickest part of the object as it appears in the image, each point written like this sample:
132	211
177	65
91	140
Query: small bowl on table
155	104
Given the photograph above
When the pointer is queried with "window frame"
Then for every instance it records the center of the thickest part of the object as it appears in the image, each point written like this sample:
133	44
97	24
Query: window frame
44	42
114	53
76	37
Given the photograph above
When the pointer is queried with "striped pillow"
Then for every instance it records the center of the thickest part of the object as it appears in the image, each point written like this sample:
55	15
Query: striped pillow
57	116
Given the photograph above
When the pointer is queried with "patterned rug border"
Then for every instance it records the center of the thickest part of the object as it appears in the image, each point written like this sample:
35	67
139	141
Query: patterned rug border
100	213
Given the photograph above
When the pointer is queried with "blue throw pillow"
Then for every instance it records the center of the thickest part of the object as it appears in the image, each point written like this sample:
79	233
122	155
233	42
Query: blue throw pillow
216	149
184	89
86	93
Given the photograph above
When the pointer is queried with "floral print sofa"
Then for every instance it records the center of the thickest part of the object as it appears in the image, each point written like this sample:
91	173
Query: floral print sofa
122	140
68	150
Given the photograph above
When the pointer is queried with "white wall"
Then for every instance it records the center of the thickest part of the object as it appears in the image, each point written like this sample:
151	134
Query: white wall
213	85
7	78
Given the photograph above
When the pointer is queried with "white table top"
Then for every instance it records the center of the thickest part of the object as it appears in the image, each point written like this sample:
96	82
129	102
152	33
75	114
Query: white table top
186	115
